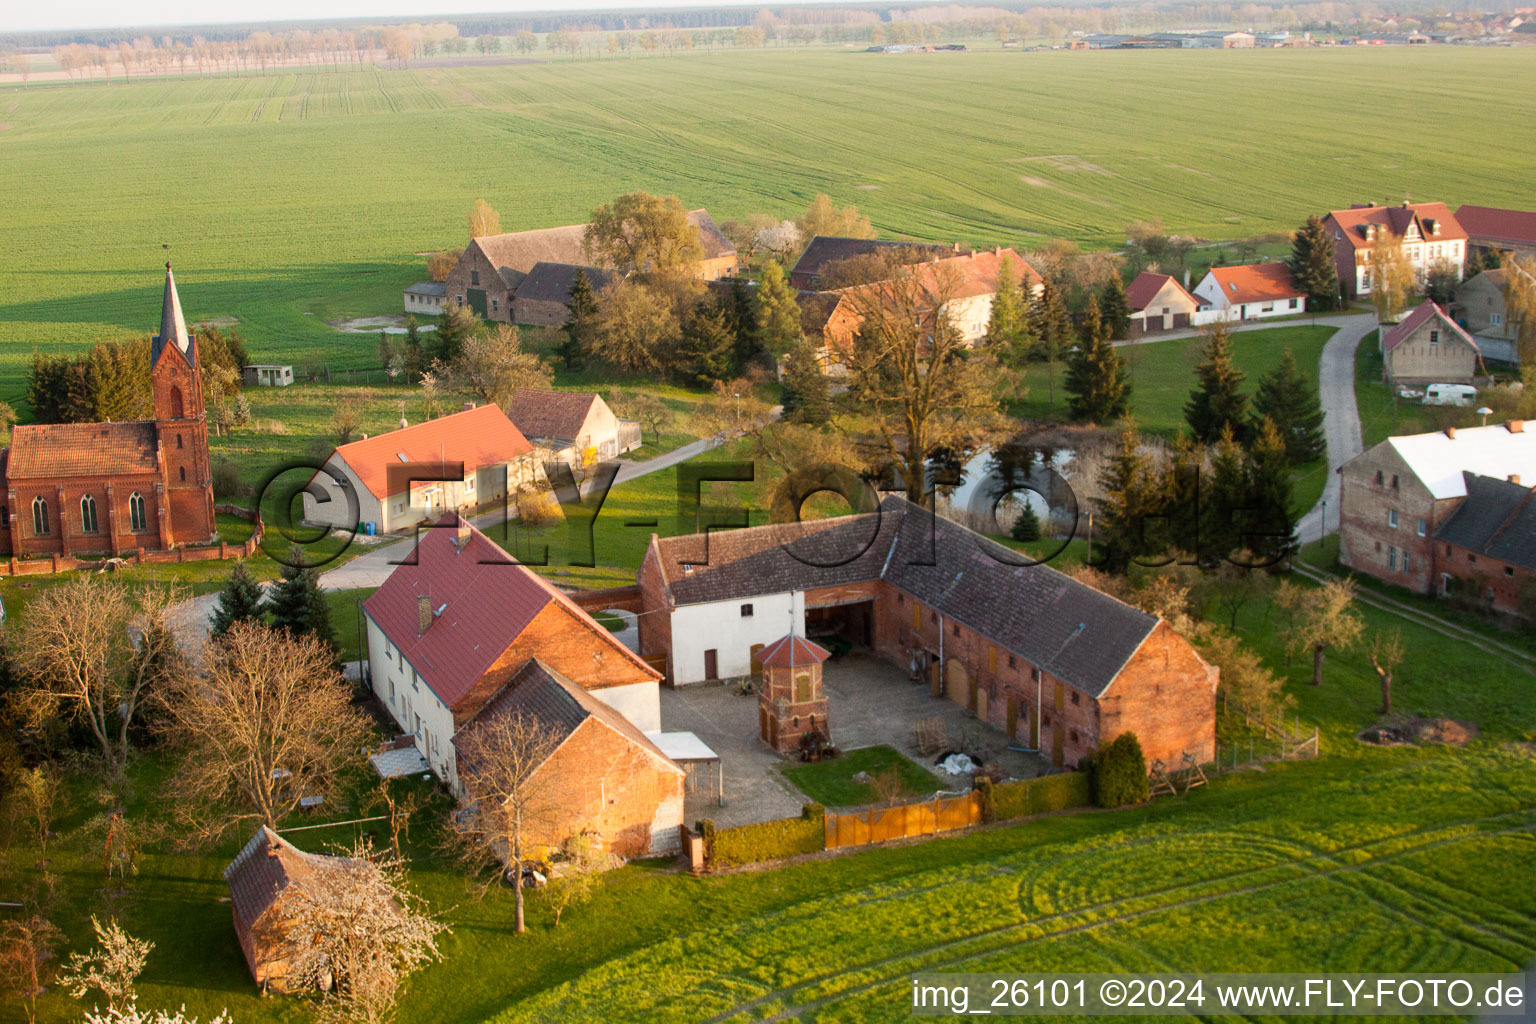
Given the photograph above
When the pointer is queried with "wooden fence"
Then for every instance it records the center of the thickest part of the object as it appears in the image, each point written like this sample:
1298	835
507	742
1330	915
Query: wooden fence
920	818
1275	736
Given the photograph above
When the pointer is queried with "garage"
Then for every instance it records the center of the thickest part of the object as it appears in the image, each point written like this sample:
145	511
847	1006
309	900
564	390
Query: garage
841	626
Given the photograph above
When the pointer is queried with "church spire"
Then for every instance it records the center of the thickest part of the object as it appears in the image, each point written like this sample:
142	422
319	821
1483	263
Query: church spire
173	326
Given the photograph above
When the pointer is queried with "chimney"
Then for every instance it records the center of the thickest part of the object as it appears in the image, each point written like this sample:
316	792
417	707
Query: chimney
1450	432
462	531
363	437
468	406
1516	426
1514	478
423	613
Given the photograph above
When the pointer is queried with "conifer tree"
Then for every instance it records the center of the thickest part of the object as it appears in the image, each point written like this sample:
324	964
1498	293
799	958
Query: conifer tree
1290	398
704	352
1008	324
1269	495
580	323
807	395
1223	499
1026	528
778	313
415	358
296	604
1312	266
455	325
1132	499
1052	331
741	317
239	601
1098	385
1115	308
1217	401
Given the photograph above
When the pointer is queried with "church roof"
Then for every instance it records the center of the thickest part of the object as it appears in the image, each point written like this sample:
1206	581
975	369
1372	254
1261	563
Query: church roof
44	450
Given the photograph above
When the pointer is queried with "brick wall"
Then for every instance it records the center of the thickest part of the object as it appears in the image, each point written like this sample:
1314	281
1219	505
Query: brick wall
1372	487
460	281
1166	695
655	621
602	781
540	312
1487	581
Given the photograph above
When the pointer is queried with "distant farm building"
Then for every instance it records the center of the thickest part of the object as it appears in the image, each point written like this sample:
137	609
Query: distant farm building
1159	303
425	298
267	375
578	427
1428	347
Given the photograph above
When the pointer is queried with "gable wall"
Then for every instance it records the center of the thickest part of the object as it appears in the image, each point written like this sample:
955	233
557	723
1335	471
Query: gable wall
1415	360
1166	695
459	282
599	780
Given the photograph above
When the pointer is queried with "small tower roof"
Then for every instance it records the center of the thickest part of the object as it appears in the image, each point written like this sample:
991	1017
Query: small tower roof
792	652
173	326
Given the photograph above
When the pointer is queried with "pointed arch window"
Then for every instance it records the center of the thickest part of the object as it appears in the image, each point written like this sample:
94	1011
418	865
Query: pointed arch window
177	406
137	520
40	516
88	514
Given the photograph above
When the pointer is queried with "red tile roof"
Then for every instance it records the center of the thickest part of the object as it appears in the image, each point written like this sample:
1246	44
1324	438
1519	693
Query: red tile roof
792	651
1426	310
487	600
1258	282
482	436
1146	286
263	869
1487	222
542	413
1352	223
82	449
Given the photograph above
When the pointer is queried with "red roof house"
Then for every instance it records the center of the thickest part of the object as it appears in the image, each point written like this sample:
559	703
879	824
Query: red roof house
1249	292
1159	303
1489	227
1428	232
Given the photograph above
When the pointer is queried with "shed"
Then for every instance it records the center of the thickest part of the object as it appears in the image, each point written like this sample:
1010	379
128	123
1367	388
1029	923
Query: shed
270	375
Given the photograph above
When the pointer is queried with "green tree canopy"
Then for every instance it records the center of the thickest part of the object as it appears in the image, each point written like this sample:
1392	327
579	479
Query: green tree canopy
1290	399
779	327
239	601
1098	383
1218	402
1312	266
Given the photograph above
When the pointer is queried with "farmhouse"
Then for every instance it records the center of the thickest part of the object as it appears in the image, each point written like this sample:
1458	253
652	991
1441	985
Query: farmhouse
824	251
425	298
106	488
493	267
541	300
1490	229
1052	662
1482	308
1486	550
1159	303
578	427
1395	496
604	776
447	631
1251	292
1428	233
262	878
1428	347
402	478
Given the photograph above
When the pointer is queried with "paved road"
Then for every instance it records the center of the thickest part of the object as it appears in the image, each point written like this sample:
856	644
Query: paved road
1341	418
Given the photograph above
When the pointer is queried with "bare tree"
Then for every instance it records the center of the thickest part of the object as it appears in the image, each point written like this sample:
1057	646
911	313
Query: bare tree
885	786
1322	619
1391	275
508	802
650	412
268	721
26	946
578	874
89	655
913	373
1244	679
493	366
346	417
483	220
1386	655
112	967
35	796
358	930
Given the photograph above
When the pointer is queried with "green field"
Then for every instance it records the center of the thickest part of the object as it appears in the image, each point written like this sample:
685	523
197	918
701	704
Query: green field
289	200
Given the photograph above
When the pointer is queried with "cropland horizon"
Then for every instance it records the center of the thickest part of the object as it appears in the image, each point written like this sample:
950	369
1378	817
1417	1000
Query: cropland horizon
293	199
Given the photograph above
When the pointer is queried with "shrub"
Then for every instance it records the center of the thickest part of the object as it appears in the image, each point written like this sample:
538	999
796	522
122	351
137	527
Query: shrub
276	427
1119	773
769	840
1027	527
983	787
1038	796
226	479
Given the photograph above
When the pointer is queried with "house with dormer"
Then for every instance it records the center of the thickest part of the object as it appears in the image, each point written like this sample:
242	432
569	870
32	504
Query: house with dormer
1430	235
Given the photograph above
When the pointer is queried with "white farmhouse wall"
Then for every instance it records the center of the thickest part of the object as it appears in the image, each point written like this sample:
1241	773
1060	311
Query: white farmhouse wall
333	484
638	702
720	626
411	703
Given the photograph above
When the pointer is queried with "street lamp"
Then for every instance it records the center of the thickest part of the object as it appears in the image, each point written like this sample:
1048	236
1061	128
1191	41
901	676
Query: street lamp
737	395
1322	523
1485	412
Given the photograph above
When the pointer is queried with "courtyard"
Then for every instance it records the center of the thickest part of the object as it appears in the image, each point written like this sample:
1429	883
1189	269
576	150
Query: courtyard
871	702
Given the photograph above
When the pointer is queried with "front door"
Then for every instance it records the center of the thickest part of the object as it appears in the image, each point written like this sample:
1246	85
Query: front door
1013	717
757	669
711	664
477	301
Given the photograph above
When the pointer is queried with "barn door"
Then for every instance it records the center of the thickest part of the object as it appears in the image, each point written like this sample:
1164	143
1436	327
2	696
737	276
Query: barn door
1056	729
757	668
1013	717
973	699
959	685
762	723
477	301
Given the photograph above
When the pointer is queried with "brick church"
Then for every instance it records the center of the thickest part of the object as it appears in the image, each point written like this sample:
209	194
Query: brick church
76	489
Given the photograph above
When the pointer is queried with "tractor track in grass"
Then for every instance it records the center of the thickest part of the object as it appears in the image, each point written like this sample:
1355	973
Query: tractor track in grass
992	941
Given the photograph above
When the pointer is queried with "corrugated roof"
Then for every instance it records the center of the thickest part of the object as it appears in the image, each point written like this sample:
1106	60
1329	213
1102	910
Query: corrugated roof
1517	227
543	413
1498	520
1439	461
1071	630
487	600
428	288
82	449
482	436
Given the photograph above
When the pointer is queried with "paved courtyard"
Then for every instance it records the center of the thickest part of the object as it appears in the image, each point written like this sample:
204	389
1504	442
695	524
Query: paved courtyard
871	702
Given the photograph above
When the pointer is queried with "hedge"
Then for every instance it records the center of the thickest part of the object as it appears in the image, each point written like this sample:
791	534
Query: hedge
1024	797
1119	773
770	840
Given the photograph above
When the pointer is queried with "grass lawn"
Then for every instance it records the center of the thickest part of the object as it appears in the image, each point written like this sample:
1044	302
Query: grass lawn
830	783
312	192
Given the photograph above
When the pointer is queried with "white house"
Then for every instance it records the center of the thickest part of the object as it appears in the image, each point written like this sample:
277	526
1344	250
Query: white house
576	426
1429	234
387	479
425	298
1253	292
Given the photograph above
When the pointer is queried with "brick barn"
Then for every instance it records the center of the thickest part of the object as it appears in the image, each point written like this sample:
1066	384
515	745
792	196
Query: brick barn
1055	664
1428	347
454	631
543	296
1486	549
109	488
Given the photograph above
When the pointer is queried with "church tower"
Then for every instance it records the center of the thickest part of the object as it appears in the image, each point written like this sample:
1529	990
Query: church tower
181	424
